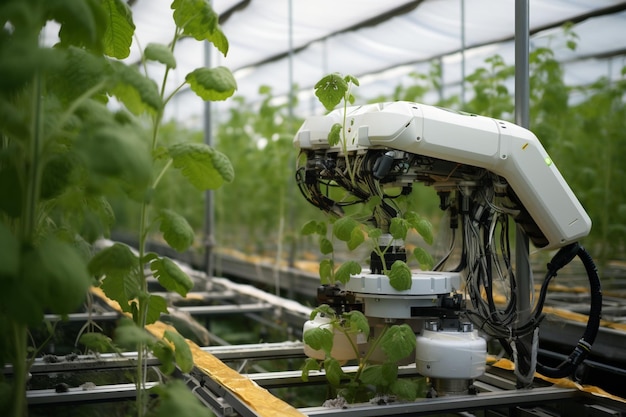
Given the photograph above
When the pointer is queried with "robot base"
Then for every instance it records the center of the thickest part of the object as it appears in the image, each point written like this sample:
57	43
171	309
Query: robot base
381	300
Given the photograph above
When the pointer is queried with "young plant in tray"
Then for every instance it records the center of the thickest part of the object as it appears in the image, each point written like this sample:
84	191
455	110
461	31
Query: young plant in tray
63	150
373	378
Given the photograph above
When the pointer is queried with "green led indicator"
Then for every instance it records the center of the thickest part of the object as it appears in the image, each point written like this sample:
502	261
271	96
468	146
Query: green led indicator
548	161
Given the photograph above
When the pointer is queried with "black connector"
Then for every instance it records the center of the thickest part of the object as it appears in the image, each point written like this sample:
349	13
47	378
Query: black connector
563	257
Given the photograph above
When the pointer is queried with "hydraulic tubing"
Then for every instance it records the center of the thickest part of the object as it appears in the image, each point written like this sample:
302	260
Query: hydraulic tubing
583	347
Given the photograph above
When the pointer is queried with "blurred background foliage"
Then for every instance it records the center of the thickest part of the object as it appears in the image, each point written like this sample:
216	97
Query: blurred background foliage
261	212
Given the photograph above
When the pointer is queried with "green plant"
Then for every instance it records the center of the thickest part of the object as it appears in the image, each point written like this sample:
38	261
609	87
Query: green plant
204	167
63	150
373	377
354	233
355	227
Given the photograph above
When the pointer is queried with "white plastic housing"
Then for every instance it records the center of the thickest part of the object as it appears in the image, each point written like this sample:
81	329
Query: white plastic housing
381	300
342	349
501	147
451	354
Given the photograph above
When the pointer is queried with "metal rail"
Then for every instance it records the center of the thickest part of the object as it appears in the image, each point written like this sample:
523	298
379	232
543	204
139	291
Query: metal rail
496	387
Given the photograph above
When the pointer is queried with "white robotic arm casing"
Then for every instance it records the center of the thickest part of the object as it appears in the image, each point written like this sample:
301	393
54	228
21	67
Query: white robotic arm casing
503	148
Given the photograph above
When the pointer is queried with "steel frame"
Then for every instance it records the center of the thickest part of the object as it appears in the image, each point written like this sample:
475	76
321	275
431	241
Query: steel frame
496	389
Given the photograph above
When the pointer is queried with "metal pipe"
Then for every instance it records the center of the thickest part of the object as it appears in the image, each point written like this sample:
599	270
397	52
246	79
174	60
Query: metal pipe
524	363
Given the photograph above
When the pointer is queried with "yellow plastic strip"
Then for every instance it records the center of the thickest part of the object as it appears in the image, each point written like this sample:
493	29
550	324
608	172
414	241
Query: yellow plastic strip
581	318
259	399
560	382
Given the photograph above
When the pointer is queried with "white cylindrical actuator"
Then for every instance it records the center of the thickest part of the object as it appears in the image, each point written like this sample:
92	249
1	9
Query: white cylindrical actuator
342	348
451	354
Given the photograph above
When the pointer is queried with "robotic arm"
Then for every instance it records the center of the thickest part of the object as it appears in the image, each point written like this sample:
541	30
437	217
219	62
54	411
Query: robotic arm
411	142
485	171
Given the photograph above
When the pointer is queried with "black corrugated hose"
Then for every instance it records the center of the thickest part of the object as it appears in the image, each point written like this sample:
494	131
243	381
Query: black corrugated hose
582	349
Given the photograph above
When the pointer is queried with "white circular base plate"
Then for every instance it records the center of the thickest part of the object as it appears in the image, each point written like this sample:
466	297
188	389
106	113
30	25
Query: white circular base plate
382	300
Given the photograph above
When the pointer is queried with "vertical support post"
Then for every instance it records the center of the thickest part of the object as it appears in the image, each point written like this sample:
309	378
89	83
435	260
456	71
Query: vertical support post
291	182
463	46
209	209
525	360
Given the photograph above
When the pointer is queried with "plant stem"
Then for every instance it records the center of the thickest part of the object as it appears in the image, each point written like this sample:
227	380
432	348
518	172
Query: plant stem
141	315
369	353
33	178
163	171
20	369
345	139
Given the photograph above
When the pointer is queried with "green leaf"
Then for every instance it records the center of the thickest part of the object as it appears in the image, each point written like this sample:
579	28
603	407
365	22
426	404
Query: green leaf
115	260
176	230
374	233
371	204
120	28
325	310
424	258
99	217
344	227
421	225
313	227
119	265
372	375
219	39
357	237
330	90
115	152
400	277
310	364
405	389
176	399
57	175
326	271
389	373
333	371
80	71
97	342
346	270
64	274
157	305
326	246
82	23
160	53
122	288
129	336
358	322
212	84
170	276
204	167
138	93
380	375
398	342
184	358
198	19
334	135
319	338
164	352
351	79
399	228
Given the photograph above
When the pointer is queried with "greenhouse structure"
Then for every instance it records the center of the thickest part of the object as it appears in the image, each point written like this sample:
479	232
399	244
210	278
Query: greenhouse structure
313	208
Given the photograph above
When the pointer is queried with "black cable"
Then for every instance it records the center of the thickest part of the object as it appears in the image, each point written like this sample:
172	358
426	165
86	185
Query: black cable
582	349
